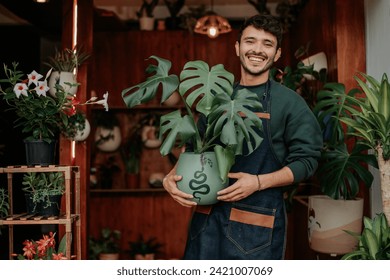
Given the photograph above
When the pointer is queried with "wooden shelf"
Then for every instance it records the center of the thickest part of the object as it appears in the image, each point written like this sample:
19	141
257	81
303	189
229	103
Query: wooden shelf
70	217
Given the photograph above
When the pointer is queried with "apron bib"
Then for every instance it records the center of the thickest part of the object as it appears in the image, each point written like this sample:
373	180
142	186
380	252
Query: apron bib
252	228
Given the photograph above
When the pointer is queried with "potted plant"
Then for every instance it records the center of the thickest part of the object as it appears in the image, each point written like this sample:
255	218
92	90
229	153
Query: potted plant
40	115
174	7
374	241
144	249
43	191
106	246
77	127
350	129
207	92
64	63
145	14
43	249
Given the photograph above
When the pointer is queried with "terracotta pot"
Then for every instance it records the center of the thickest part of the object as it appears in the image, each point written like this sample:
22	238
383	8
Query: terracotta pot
106	256
144	257
200	177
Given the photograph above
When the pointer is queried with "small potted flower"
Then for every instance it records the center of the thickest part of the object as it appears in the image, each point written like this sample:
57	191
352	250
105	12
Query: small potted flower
43	249
39	115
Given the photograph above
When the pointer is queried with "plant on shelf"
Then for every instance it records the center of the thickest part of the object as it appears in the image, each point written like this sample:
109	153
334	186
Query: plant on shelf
144	248
147	8
43	249
67	60
39	115
374	241
41	187
207	92
107	243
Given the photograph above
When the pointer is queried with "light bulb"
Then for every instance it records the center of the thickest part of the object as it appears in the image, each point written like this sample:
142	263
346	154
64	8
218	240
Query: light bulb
212	32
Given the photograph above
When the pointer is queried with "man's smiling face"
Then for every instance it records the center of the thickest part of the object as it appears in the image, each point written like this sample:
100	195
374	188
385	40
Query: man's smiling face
257	51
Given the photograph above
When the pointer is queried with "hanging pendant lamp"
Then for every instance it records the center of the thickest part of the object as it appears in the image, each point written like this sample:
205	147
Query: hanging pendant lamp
212	24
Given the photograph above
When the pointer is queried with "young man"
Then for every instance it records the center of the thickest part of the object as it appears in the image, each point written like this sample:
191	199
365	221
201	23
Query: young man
249	222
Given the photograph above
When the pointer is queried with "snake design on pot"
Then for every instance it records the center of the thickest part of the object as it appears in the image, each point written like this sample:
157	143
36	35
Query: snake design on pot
199	179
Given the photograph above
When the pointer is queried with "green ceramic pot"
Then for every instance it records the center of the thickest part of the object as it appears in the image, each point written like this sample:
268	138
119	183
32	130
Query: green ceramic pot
200	177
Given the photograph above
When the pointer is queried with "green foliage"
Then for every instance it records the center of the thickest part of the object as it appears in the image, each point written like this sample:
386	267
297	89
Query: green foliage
341	169
67	60
42	185
147	8
72	125
41	117
144	246
107	243
374	242
4	205
207	91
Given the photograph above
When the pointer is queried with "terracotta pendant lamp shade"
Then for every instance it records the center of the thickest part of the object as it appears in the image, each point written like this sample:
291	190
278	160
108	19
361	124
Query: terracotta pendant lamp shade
212	24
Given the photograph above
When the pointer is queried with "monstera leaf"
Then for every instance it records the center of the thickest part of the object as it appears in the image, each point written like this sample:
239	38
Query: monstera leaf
199	82
147	90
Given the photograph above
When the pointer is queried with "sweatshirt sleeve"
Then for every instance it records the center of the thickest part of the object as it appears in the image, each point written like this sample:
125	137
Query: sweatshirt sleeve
296	134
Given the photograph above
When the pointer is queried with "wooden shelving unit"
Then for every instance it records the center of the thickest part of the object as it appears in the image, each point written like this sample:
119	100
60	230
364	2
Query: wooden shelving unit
69	218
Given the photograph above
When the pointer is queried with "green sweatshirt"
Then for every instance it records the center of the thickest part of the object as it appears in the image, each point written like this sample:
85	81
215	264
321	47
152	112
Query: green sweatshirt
296	134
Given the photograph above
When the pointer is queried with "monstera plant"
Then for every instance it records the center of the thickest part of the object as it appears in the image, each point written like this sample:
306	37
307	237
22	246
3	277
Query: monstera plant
230	123
365	114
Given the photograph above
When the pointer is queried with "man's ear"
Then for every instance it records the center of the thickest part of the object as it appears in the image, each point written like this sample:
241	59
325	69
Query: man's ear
237	47
278	54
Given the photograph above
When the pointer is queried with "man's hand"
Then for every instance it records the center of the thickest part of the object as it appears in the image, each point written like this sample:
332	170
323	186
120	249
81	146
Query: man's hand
170	185
245	185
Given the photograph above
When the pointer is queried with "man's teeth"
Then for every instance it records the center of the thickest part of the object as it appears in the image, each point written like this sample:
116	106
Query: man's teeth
256	59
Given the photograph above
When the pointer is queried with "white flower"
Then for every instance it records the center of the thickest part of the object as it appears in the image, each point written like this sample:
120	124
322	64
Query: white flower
33	77
42	88
48	73
20	88
103	101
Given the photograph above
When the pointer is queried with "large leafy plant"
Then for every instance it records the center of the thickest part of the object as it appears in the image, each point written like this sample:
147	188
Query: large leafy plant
207	91
344	158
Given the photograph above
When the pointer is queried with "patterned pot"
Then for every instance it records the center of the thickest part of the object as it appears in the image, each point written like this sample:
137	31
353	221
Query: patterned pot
200	177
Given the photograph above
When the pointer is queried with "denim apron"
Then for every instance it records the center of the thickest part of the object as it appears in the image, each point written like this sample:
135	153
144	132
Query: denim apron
253	228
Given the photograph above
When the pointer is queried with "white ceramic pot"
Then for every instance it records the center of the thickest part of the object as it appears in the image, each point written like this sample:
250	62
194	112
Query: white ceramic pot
146	23
81	135
148	136
327	221
62	78
108	139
